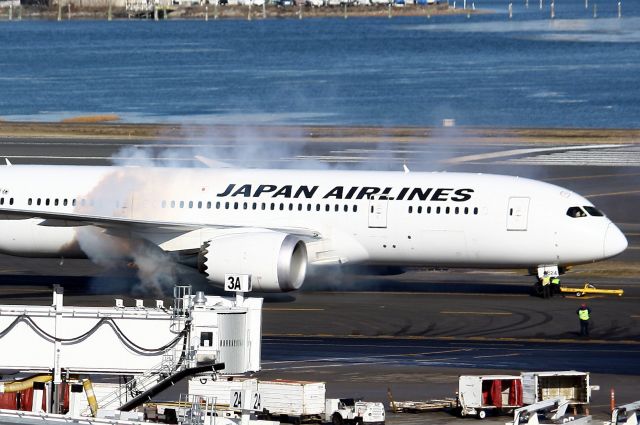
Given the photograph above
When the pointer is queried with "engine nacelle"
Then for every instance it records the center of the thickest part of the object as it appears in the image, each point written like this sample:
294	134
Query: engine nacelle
277	262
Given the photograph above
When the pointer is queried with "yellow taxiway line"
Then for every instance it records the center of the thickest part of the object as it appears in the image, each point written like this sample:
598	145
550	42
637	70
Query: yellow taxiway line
479	313
292	309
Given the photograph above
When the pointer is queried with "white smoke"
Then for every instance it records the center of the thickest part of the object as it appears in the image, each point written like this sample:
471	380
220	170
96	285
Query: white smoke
245	147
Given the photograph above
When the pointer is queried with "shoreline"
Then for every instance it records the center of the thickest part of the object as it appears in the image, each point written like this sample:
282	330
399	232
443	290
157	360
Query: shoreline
315	133
225	12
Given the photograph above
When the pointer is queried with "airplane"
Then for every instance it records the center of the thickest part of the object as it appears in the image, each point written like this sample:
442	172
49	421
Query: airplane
273	224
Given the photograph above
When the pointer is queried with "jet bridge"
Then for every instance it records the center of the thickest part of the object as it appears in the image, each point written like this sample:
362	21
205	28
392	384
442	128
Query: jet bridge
131	340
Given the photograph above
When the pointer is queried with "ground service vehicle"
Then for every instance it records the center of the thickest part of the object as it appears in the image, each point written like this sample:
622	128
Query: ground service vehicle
341	411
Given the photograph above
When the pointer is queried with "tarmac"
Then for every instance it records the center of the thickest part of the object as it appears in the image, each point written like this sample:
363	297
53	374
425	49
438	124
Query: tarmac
413	333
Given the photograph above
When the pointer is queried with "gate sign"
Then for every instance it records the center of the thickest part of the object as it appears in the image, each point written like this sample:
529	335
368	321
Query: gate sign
249	400
237	282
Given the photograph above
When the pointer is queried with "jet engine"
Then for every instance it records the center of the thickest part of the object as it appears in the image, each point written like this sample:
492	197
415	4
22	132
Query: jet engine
277	262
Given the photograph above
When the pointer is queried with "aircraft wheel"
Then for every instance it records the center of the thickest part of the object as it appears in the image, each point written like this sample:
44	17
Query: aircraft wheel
482	414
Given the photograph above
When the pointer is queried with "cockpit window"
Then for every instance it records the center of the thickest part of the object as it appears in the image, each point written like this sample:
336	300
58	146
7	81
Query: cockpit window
576	212
593	211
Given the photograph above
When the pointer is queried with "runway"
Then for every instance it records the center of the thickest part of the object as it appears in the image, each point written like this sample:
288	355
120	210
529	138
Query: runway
414	331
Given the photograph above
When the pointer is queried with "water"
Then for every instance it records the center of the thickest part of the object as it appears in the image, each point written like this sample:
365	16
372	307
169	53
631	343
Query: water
531	71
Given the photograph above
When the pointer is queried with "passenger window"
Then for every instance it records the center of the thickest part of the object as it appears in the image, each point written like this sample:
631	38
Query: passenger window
264	206
226	205
181	204
299	207
218	205
38	202
73	203
466	210
437	210
337	208
420	210
235	205
475	210
281	206
308	207
163	204
355	208
10	201
30	201
327	208
173	204
428	210
593	211
208	205
1	201
457	210
346	208
64	202
448	210
273	206
199	204
46	202
190	204
55	202
410	209
254	206
290	207
317	207
576	212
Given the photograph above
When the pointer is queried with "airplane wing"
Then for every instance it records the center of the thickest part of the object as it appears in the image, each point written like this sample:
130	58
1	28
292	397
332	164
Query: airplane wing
54	219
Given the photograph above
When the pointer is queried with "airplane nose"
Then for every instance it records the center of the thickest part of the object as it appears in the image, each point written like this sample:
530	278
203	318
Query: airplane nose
614	241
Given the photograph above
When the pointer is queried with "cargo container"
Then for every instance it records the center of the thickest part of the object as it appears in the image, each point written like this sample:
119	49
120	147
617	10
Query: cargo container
572	385
284	400
479	395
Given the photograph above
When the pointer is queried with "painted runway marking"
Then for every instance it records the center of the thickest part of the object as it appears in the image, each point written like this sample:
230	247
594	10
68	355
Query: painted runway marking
497	355
597	195
602	155
591	176
381	356
515	152
487	343
480	313
292	309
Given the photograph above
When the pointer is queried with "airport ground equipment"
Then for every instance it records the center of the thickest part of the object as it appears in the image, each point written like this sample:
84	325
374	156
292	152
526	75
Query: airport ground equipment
590	289
341	411
425	406
572	385
283	400
626	414
146	343
552	411
479	395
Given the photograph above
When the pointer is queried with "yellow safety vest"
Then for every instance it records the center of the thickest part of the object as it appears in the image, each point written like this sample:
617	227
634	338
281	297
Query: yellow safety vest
555	281
546	280
583	314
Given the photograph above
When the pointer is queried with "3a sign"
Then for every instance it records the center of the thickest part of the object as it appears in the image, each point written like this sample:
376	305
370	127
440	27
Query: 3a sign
237	282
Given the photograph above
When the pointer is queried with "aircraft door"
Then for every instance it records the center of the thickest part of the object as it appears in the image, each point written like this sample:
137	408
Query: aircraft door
517	213
378	212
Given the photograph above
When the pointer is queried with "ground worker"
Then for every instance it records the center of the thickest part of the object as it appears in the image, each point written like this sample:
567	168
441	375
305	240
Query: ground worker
555	285
584	314
546	286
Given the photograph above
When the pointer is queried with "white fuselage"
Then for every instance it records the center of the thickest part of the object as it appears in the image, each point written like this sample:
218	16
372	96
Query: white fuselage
391	218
